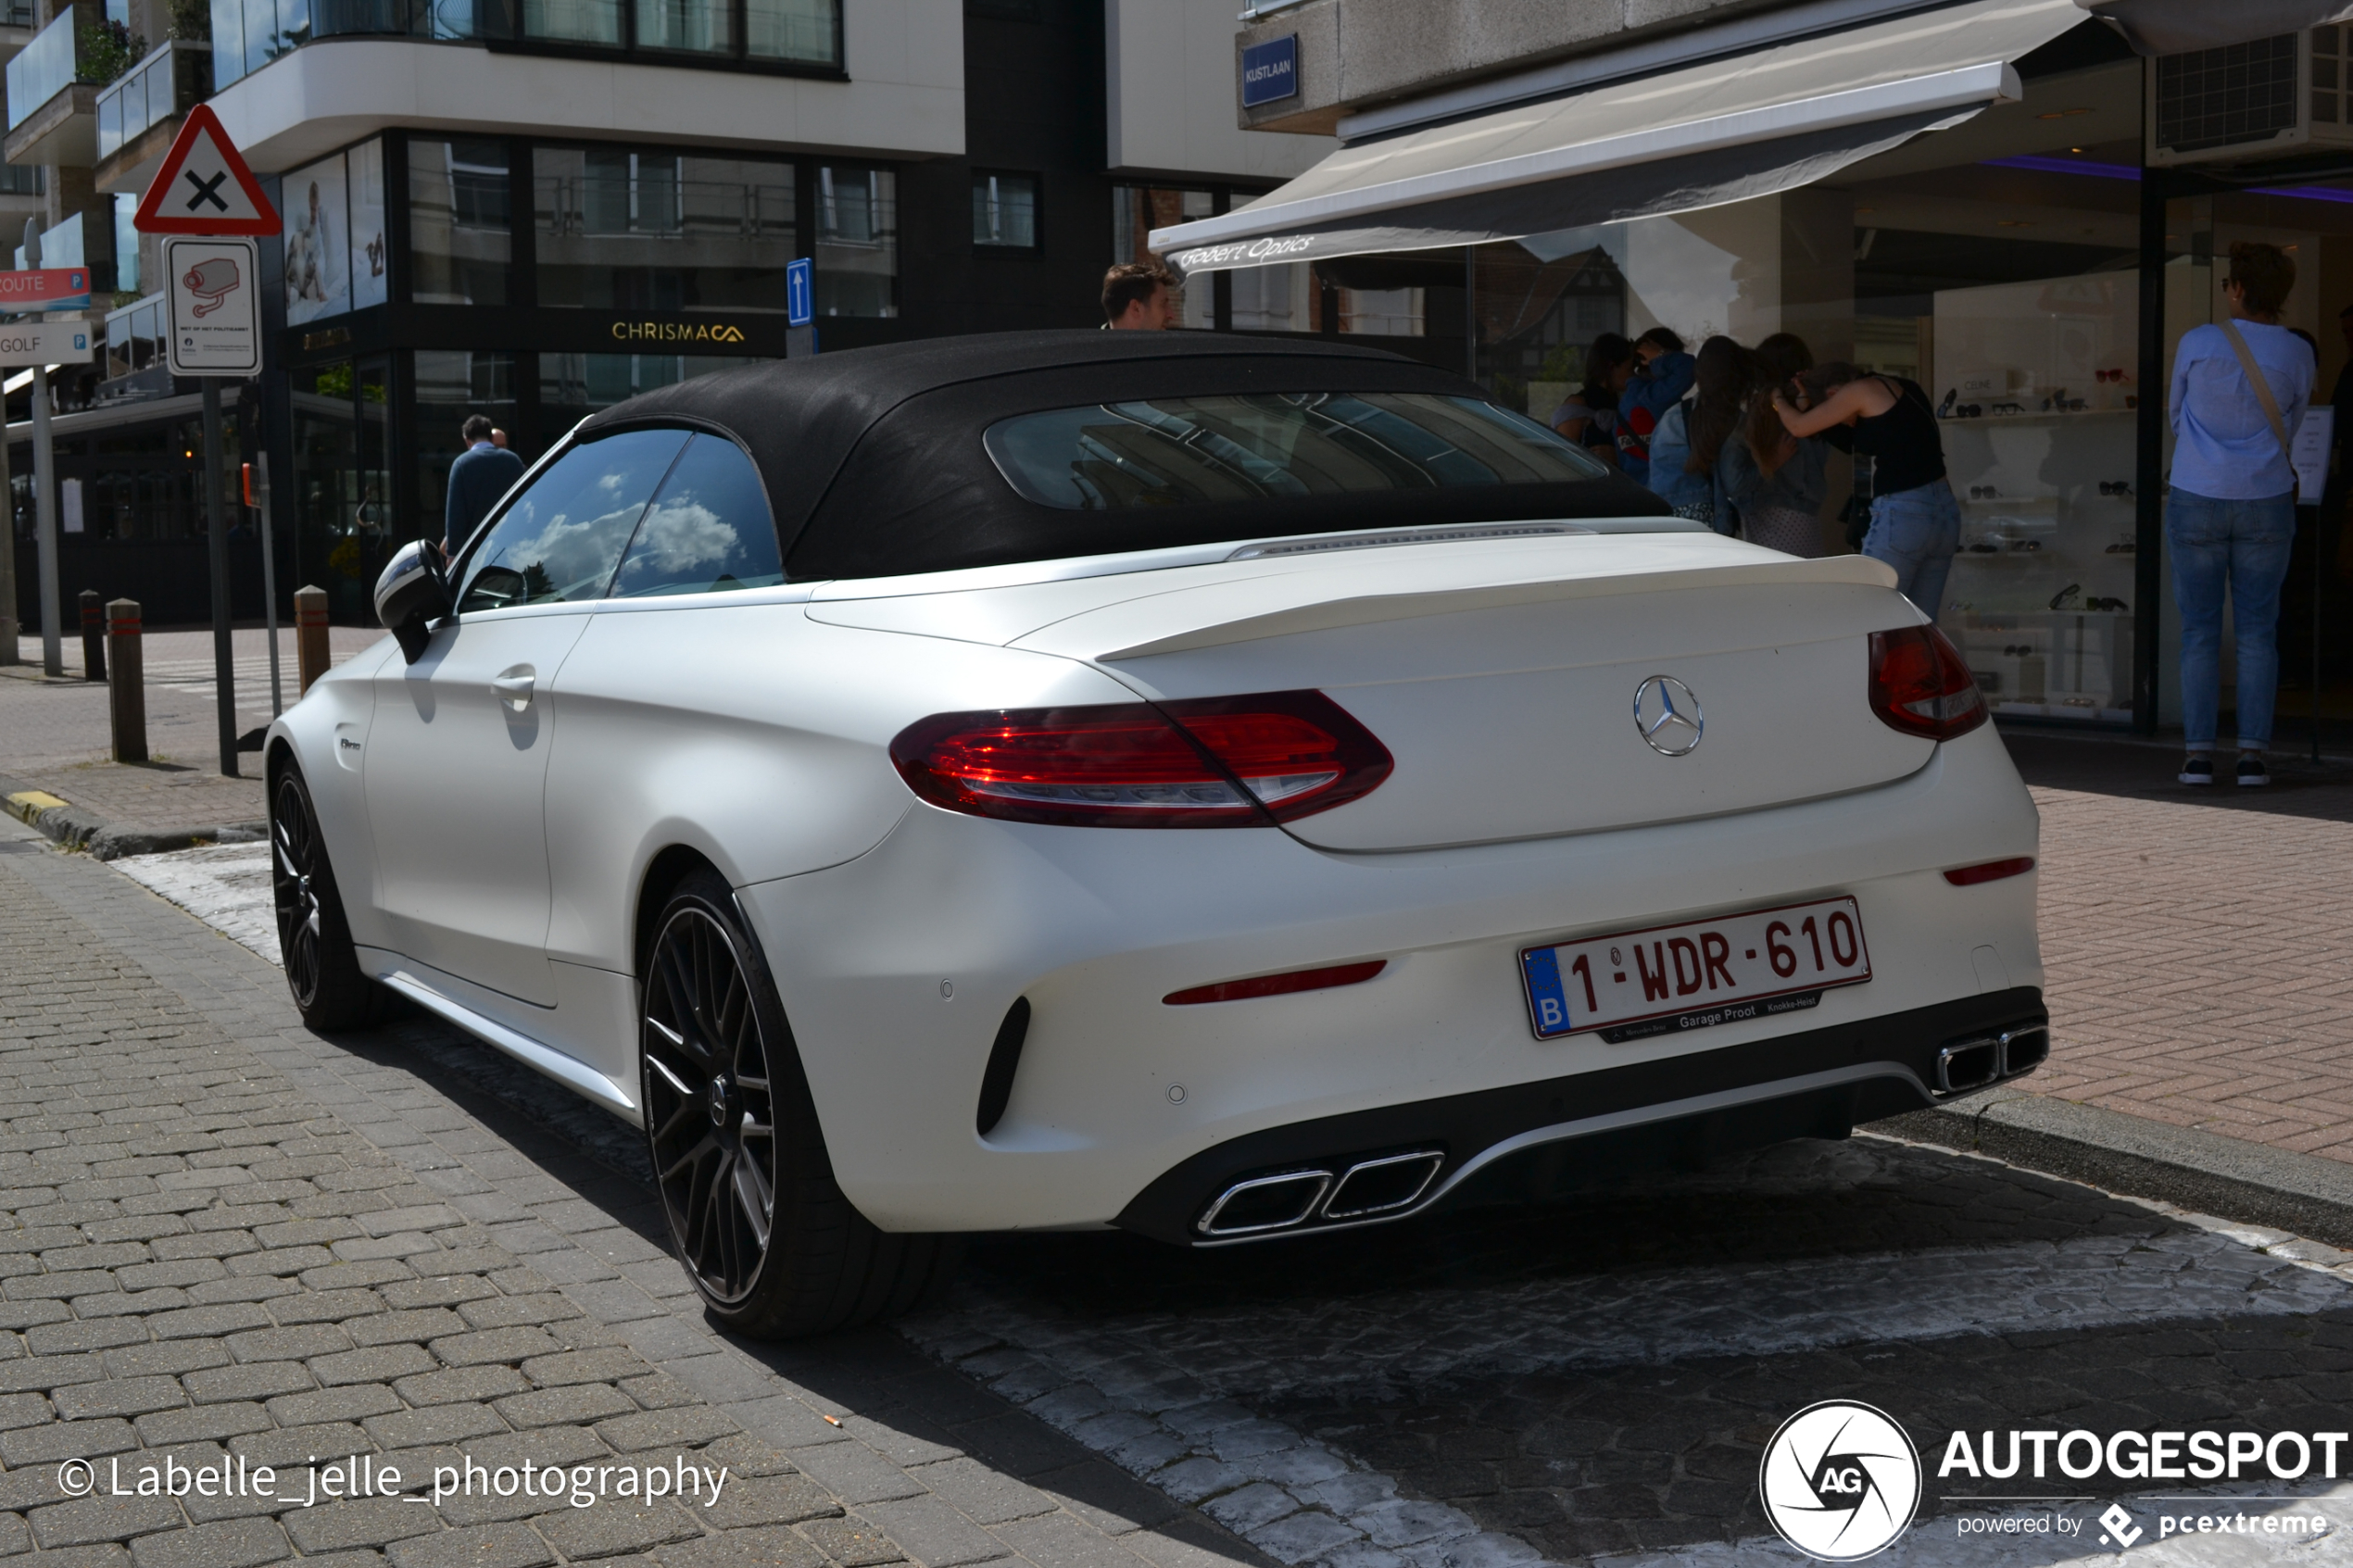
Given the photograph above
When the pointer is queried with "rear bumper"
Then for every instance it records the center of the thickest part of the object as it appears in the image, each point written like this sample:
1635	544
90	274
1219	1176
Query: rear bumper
1529	1136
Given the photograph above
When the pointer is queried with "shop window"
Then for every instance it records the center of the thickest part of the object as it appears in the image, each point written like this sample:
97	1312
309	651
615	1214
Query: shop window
857	250
1382	312
1136	211
458	212
1275	299
450	384
644	229
707	532
572	386
1005	211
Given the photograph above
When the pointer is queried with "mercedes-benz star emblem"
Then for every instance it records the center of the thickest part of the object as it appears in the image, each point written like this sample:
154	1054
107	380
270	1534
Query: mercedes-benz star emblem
1668	716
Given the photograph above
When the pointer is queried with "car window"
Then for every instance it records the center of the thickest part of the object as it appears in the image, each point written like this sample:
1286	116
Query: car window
560	538
707	531
1188	451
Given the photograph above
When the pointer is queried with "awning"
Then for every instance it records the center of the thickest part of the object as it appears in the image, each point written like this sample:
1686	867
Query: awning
2176	27
1699	136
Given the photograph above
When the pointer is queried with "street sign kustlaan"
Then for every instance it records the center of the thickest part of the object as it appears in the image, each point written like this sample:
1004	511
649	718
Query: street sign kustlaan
204	186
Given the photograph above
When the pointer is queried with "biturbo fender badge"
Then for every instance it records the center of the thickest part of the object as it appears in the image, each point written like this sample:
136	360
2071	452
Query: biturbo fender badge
1668	716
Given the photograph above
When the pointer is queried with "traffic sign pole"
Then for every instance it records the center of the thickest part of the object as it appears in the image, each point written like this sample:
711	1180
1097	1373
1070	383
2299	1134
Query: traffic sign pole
44	493
204	190
224	672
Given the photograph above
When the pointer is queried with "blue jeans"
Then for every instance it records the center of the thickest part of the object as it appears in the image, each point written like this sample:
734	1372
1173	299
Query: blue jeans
2241	546
1917	532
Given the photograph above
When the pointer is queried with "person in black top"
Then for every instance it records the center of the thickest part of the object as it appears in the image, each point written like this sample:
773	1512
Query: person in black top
1916	521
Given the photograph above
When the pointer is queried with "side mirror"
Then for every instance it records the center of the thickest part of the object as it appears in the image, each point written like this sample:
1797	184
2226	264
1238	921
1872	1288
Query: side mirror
411	595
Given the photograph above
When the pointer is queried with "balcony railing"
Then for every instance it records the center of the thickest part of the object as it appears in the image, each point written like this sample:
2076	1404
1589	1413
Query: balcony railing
171	80
45	67
757	32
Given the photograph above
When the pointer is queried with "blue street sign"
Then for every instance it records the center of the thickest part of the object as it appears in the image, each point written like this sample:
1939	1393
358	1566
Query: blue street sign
800	293
1270	71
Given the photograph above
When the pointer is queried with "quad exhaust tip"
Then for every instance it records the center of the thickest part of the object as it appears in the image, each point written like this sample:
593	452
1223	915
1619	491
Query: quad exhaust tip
1972	1064
1381	1187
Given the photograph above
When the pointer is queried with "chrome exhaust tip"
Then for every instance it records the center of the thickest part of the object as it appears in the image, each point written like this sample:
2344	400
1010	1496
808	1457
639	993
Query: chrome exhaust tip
2025	1049
1971	1064
1265	1203
1383	1186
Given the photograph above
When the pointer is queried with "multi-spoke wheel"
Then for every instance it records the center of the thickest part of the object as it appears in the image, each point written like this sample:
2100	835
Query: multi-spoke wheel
709	1111
767	1237
321	968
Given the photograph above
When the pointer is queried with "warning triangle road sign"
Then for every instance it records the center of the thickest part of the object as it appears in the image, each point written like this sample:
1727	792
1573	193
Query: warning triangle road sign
204	186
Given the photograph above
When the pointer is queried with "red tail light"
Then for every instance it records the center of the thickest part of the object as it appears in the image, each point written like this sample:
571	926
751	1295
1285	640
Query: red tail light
1232	761
1921	685
1279	984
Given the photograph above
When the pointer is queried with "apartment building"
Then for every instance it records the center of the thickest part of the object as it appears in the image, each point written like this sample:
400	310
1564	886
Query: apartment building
533	208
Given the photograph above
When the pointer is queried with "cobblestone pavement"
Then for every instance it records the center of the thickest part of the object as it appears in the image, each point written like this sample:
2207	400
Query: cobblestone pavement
2199	944
224	1241
1596	1379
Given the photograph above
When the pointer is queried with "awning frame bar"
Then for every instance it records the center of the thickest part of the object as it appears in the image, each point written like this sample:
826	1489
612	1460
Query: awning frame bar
1964	87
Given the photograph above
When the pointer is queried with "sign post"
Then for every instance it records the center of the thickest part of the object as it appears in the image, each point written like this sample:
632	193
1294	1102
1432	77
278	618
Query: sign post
207	201
45	491
40	345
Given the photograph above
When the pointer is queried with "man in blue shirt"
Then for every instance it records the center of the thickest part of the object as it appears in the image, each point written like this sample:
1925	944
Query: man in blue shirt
2231	517
483	472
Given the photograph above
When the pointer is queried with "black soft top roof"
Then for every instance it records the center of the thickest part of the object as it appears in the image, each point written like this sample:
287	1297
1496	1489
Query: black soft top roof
874	464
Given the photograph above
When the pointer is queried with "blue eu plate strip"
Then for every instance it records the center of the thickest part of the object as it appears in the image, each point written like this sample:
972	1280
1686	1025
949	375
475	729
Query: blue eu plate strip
1547	1004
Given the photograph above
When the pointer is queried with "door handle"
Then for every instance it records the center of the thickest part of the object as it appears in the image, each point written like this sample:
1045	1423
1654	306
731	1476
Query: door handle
514	690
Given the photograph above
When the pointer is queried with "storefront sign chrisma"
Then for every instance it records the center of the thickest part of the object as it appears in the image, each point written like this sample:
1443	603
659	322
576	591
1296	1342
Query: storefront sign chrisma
214	326
45	343
700	333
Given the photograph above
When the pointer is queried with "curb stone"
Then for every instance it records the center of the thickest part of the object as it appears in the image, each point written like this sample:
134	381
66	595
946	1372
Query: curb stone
2305	1193
62	823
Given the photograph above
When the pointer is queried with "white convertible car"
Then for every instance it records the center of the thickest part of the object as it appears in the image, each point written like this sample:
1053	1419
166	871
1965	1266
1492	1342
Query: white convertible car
1224	789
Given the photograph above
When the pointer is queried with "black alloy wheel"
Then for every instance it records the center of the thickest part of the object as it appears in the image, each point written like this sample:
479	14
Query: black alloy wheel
322	970
709	1113
768	1237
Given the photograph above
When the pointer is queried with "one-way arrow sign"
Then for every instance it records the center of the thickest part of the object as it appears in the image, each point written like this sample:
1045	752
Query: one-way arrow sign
204	186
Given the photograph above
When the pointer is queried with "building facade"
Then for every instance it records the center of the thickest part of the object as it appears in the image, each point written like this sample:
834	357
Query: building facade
531	210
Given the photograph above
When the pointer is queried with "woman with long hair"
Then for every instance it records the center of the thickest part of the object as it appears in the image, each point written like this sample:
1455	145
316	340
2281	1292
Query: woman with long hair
1916	521
1778	480
1691	434
1588	415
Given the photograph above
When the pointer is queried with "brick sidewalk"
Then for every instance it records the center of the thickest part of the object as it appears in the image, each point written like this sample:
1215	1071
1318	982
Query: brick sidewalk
2200	945
53	732
223	1236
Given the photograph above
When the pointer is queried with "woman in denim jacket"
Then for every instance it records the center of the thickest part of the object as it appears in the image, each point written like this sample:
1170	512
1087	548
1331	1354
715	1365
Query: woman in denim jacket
1685	448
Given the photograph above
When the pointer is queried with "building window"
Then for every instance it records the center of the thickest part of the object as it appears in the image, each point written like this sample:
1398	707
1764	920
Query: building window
808	31
647	229
574	21
1005	211
458	216
857	251
452	383
704	27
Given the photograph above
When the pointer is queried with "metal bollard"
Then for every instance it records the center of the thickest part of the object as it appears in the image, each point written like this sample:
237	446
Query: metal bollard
310	634
93	637
126	695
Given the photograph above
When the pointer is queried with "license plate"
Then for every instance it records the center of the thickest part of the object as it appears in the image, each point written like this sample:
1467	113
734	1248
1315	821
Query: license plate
1671	978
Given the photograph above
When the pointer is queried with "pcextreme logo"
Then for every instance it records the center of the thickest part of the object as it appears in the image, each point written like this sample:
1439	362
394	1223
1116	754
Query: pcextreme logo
675	332
1840	1481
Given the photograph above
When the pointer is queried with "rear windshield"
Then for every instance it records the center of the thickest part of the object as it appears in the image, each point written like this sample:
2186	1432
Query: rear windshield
1188	451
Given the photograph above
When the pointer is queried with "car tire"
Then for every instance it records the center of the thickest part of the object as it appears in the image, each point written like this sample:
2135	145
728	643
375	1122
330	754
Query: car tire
314	940
756	1218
